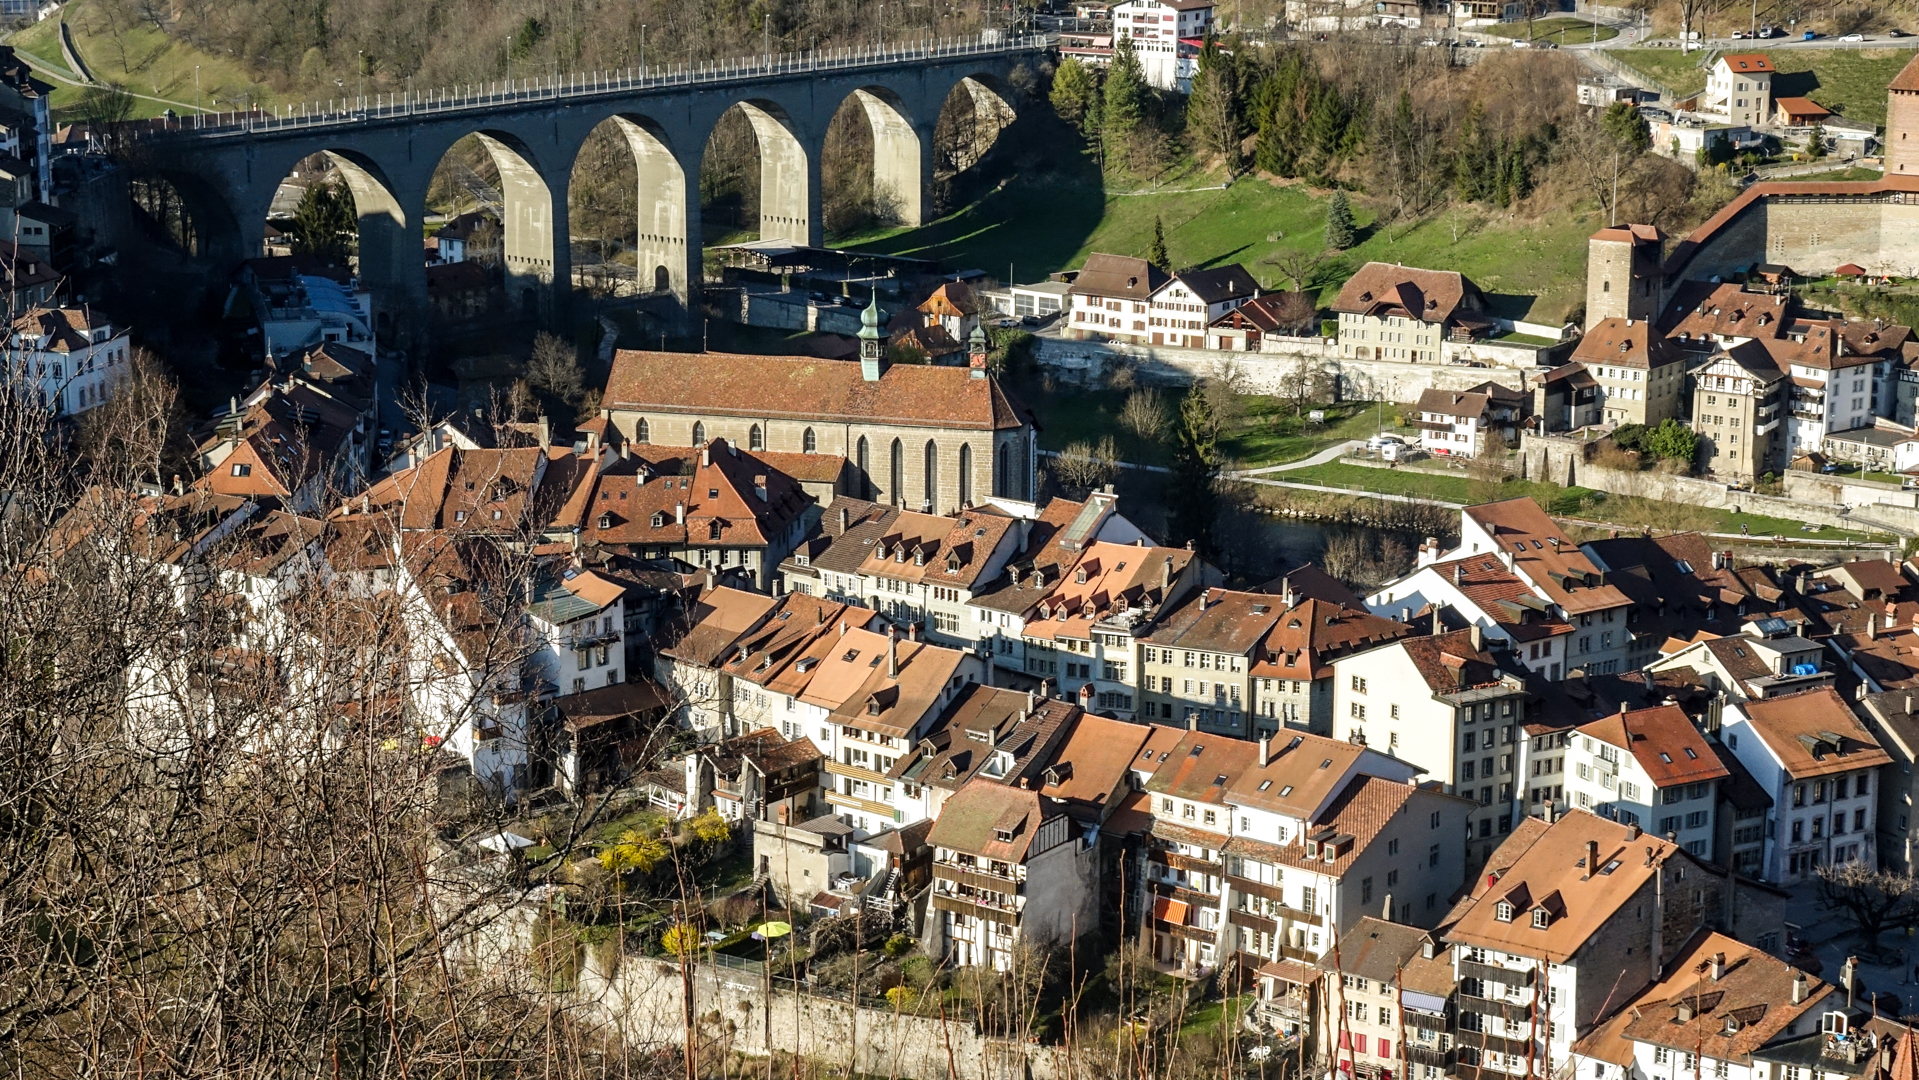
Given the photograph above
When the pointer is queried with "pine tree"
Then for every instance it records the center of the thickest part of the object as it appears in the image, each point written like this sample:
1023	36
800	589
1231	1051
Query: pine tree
1519	176
1075	96
1339	222
1213	108
1157	253
1190	498
1125	98
1277	107
1326	128
325	223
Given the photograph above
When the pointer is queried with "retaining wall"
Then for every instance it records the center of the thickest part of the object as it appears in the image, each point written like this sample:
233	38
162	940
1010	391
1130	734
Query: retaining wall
1267	371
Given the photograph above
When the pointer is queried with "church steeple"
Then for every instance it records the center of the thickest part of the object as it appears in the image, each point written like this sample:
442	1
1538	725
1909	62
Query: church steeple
872	341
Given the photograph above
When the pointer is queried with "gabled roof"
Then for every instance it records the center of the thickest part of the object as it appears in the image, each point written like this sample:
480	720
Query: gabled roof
1219	284
1907	81
1664	742
1719	998
712	623
1307	637
1301	771
1203	768
1625	343
1545	556
1108	579
1814	734
798	388
1428	295
992	821
1376	949
1549	859
1120	276
1217	620
1090	767
1747	62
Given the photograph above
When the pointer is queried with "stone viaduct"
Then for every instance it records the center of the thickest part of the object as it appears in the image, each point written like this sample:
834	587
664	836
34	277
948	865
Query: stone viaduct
227	167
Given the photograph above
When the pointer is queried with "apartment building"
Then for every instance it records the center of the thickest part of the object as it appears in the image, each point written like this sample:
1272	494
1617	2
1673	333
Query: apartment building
1651	768
1889	717
1485	593
1083	632
1456	423
1179	313
71	357
1167	35
1391	312
916	569
1767	659
1738	405
1111	299
1640	373
1568	920
1259	852
1822	769
1739	89
1362	1000
1010	867
1450	703
1558	572
1195	664
1292	676
578	618
1718	1006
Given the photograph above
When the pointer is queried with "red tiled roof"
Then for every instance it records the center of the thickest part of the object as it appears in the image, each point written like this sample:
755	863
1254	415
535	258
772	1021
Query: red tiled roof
732	384
1663	741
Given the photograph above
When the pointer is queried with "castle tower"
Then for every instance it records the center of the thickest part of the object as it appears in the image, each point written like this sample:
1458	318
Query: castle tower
1623	275
1902	121
872	341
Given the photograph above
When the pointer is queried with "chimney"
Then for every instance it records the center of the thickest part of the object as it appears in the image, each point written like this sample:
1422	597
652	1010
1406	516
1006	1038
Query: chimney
1387	913
1032	702
1632	833
1192	720
1202	598
844	518
1478	638
1872	627
1286	590
759	486
1457	573
1406	615
892	654
706	455
1550	813
1439	627
178	487
1166	574
1265	750
1592	859
710	580
679	513
1622	708
1718	966
1798	987
912	631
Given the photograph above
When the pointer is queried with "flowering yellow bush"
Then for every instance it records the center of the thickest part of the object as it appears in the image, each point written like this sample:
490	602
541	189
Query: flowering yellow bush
633	852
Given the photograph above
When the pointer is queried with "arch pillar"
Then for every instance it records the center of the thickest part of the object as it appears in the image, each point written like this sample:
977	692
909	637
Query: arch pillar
667	212
902	159
391	257
789	181
535	240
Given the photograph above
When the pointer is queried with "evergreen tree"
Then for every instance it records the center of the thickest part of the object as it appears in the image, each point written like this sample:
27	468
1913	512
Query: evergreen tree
1468	162
1157	253
1519	177
325	223
1190	498
1816	142
1326	127
1277	105
1126	92
1339	222
1075	96
1213	108
1622	121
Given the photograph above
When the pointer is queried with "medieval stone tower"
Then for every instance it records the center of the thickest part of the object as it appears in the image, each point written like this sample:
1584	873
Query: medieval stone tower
1902	122
1623	276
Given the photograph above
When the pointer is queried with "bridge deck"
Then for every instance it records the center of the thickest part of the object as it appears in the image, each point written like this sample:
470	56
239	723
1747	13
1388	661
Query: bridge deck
579	86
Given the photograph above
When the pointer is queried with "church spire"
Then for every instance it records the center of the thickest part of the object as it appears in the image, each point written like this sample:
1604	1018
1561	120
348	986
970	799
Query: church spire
872	341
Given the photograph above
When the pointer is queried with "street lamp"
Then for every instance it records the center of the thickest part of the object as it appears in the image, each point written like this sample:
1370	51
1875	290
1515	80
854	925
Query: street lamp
362	55
882	26
642	50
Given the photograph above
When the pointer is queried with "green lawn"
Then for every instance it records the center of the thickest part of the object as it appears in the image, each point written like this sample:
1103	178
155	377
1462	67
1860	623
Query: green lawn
141	60
1560	31
1053	219
1847	81
1215	1018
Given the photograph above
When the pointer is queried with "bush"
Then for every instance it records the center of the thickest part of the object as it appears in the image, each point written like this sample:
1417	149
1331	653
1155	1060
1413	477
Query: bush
1629	436
1673	441
898	945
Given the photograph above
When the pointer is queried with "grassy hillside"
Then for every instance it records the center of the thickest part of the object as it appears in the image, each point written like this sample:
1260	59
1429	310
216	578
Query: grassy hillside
1847	81
1052	221
1559	31
142	61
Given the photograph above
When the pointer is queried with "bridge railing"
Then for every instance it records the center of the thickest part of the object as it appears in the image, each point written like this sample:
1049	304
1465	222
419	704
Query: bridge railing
580	86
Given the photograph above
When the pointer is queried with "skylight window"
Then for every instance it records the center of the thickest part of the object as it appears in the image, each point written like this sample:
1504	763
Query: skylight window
1220	780
1264	784
1285	791
1665	757
1691	755
1327	764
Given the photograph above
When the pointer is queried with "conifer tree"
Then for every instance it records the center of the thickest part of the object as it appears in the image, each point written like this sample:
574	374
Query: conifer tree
1157	253
1339	222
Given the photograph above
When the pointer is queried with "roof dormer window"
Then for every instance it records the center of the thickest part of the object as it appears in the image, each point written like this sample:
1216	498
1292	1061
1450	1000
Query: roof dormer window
1541	918
1503	911
606	521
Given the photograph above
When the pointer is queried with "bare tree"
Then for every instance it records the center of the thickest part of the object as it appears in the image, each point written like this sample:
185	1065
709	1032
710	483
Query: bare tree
1871	898
555	368
1692	13
1083	467
1144	414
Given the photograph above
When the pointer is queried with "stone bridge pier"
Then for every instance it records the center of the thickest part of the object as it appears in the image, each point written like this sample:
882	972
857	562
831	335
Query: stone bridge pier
227	175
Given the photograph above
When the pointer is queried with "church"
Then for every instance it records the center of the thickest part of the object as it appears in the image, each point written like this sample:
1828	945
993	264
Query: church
925	438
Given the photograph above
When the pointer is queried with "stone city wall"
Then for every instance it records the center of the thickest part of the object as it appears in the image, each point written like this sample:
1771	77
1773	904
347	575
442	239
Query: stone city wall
1268	371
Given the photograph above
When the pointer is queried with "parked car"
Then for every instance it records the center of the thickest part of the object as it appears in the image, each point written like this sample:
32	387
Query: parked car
1910	483
1832	467
1738	35
1853	37
1430	43
1518	44
1808	36
1381	441
1896	32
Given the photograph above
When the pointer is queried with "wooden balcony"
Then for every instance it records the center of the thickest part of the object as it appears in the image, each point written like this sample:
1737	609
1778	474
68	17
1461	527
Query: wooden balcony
978	880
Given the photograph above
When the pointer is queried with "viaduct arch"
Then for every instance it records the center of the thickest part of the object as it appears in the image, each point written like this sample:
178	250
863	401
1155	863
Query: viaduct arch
228	168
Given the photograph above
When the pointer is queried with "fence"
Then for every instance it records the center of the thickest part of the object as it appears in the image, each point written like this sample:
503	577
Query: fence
586	85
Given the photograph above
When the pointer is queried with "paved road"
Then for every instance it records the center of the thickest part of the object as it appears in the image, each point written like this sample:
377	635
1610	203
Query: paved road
1331	453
